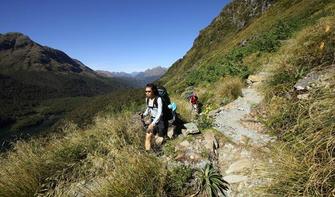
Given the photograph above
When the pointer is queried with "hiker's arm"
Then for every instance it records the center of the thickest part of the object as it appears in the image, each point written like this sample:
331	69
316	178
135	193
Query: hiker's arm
159	112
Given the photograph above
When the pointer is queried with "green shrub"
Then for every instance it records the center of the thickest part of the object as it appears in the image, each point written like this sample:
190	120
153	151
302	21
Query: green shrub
204	122
211	73
176	181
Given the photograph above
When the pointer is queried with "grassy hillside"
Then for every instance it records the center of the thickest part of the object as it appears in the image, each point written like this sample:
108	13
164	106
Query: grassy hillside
304	157
51	114
289	40
222	49
105	159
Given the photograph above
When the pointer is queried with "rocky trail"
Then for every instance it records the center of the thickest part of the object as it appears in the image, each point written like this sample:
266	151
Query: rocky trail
236	145
241	160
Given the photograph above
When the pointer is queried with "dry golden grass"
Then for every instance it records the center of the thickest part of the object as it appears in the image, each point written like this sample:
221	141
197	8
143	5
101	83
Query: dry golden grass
304	161
229	87
184	108
221	92
20	172
111	150
134	175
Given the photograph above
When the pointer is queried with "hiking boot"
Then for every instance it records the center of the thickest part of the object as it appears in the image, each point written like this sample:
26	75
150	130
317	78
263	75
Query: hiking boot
159	140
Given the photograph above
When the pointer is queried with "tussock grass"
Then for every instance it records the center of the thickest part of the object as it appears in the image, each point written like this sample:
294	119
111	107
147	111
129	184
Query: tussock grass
19	173
229	88
184	108
307	128
64	164
304	163
224	90
139	175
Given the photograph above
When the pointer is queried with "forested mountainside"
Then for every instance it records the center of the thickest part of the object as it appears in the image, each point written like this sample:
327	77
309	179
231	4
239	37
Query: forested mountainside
32	74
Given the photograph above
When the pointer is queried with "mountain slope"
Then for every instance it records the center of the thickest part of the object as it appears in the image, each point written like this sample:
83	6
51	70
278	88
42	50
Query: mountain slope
233	42
27	62
233	18
19	52
31	73
294	42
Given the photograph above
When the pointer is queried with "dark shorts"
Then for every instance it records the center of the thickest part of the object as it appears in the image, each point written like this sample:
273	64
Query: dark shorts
161	128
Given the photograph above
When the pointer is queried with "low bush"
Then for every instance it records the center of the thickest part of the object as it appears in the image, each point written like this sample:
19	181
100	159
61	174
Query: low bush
176	181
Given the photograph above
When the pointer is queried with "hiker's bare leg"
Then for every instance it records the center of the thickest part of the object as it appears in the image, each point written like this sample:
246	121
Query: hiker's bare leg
148	139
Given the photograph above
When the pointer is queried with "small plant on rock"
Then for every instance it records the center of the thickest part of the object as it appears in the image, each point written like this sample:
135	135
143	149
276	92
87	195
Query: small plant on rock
211	182
204	122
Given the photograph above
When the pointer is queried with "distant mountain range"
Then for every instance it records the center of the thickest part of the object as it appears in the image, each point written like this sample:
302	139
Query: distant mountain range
137	79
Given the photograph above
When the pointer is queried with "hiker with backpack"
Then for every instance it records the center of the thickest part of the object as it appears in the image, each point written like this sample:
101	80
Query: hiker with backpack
194	102
157	103
176	124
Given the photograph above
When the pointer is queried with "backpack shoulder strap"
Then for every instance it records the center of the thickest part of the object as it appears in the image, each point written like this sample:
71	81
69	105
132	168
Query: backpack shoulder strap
155	102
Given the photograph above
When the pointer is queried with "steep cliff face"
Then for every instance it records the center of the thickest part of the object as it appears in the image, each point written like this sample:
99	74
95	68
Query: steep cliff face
241	13
233	18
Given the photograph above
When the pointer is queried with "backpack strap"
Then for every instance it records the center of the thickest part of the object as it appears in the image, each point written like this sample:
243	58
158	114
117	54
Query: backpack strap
155	102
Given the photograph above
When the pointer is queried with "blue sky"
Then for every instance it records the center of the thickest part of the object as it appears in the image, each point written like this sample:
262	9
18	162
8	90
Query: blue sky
115	35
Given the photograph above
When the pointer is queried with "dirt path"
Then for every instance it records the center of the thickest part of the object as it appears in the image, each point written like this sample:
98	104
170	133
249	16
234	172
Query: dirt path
245	152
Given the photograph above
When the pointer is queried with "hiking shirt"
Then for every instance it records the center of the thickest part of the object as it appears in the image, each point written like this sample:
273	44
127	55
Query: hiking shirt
194	100
155	111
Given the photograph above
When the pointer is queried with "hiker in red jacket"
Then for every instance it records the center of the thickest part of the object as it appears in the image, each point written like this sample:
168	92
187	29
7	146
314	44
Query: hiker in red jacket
194	102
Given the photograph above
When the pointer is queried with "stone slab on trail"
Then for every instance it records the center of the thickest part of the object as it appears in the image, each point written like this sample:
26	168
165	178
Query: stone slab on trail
239	166
229	119
191	128
235	178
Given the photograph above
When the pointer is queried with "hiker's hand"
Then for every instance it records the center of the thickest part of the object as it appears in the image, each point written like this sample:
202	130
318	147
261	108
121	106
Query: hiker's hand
140	114
151	127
